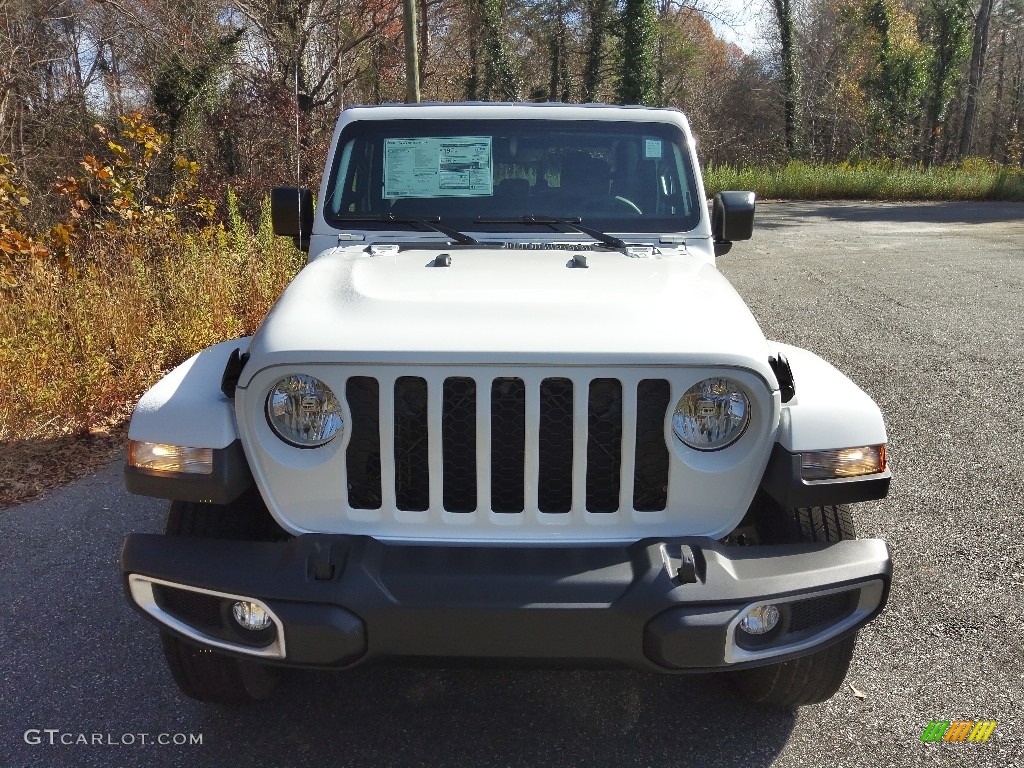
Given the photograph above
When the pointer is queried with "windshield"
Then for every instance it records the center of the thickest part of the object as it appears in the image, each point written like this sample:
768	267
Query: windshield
612	176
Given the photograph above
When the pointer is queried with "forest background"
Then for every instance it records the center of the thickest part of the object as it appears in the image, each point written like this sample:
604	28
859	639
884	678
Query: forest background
138	142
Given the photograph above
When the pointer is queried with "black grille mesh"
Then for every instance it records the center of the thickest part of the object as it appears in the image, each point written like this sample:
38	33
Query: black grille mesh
650	470
363	458
193	608
604	445
508	444
458	444
820	611
554	492
412	468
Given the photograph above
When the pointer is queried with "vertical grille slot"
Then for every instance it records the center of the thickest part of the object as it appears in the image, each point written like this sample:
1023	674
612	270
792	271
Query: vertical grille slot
604	445
650	469
412	463
508	444
363	456
554	487
458	444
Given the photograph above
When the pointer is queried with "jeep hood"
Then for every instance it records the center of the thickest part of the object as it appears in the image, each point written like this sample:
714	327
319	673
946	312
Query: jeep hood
501	306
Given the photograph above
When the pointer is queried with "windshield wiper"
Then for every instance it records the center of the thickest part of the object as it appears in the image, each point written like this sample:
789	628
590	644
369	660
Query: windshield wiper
601	237
454	234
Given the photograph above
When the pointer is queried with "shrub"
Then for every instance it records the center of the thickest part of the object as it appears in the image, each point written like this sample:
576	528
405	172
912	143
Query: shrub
94	310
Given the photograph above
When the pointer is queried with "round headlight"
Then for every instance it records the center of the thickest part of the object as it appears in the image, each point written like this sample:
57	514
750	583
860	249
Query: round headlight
711	414
303	411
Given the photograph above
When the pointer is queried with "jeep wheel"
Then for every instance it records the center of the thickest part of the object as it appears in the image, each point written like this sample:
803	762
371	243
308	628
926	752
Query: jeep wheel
202	673
814	678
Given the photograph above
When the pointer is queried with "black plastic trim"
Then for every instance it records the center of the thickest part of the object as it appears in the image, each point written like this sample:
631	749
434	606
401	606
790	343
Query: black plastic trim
232	372
784	374
291	214
732	216
605	605
783	482
229	480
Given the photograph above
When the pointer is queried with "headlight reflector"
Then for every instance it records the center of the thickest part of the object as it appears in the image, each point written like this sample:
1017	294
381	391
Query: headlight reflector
161	457
303	411
845	462
712	414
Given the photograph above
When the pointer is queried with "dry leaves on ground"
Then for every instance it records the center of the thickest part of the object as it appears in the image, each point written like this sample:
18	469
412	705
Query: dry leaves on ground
30	468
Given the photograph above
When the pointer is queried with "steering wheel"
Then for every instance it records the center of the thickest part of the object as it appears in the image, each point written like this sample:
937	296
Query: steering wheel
627	203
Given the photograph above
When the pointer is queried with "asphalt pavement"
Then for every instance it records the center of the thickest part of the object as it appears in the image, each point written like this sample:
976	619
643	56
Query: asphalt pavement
920	304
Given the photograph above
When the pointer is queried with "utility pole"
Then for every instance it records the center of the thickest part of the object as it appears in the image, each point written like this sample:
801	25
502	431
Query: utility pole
412	58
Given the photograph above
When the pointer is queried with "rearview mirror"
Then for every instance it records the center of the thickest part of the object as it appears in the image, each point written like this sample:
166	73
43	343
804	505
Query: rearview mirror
732	218
291	214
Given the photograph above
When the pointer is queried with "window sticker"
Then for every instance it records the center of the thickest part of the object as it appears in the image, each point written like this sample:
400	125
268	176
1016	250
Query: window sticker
652	148
453	166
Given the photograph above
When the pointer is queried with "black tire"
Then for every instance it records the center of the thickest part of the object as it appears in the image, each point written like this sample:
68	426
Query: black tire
810	679
203	673
778	525
244	519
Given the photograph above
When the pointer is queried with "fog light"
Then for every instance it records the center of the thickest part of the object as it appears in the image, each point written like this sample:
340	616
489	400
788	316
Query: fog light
760	620
251	616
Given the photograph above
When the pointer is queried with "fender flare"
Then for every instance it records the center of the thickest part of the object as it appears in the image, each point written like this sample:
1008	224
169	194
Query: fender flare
828	411
187	407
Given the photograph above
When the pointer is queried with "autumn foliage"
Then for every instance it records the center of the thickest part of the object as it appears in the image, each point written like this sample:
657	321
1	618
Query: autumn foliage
130	281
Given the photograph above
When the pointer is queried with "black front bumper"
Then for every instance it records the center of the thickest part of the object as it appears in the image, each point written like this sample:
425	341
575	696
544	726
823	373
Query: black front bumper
658	605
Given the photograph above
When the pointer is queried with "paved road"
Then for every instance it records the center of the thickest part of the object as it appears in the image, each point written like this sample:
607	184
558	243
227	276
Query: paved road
921	304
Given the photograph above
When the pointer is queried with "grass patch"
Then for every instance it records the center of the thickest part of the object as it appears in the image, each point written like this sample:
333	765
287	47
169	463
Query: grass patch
79	344
974	179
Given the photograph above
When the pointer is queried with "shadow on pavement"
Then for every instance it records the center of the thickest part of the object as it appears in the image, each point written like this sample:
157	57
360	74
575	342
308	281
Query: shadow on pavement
385	716
975	212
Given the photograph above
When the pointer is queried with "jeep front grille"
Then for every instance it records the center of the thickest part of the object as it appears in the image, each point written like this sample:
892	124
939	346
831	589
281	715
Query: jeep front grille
553	446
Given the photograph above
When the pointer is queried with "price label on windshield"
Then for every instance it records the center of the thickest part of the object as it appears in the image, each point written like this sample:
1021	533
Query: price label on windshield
453	166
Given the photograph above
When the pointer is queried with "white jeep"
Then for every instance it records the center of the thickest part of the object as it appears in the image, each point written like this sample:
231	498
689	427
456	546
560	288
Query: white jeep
509	411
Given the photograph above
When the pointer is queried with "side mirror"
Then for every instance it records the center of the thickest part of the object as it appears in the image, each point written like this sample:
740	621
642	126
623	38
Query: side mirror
291	214
732	218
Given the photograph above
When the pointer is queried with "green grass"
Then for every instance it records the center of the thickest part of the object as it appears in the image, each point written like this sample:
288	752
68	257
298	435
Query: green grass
974	179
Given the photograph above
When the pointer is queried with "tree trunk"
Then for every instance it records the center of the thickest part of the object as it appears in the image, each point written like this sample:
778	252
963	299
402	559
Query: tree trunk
599	12
790	76
637	78
974	82
473	24
424	36
997	108
559	85
412	62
